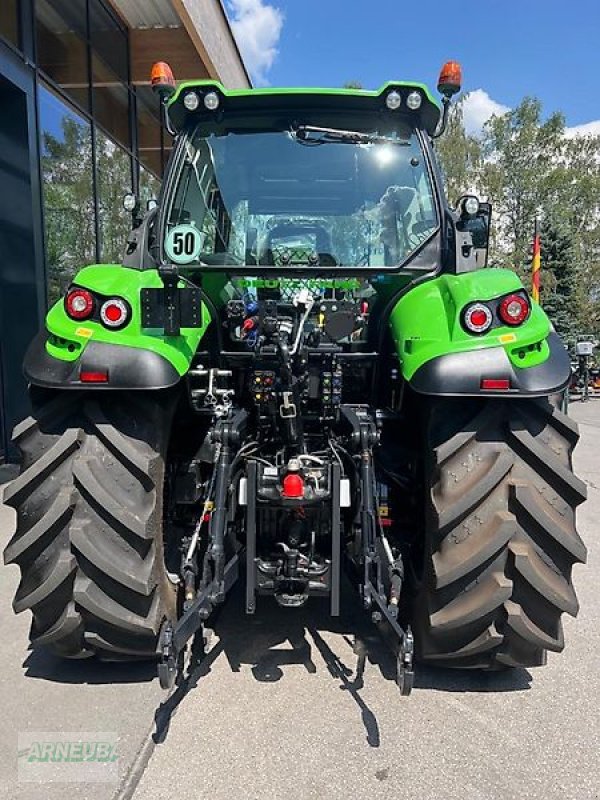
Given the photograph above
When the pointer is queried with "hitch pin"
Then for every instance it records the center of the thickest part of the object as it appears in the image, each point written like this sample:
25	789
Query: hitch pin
204	517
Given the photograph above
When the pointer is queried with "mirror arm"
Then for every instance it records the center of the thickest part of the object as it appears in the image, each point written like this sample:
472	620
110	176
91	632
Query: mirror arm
446	103
167	118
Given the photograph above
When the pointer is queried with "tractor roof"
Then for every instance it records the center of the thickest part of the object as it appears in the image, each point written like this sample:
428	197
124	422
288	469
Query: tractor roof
350	101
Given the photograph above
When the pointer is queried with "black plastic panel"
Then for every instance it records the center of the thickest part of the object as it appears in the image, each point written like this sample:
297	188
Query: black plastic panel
462	373
153	308
127	367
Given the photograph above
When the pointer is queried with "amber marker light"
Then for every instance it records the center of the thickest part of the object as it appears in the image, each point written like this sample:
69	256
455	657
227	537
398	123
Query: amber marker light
450	79
161	78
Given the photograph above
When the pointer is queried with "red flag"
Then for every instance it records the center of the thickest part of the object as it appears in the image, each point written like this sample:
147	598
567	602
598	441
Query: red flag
536	263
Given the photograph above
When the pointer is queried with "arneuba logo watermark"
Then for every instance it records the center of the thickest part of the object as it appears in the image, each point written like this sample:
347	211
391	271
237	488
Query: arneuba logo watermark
67	757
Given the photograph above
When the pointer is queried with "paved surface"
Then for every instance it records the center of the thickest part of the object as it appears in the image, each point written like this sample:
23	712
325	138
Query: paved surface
277	710
280	713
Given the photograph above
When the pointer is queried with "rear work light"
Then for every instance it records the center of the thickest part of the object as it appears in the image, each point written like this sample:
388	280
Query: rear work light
513	309
114	313
79	304
477	318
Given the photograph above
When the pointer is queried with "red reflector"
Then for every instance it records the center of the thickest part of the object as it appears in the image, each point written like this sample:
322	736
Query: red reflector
93	377
498	384
478	318
114	313
293	485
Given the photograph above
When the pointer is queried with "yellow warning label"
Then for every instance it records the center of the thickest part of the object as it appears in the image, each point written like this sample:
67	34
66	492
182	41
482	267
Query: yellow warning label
507	338
84	332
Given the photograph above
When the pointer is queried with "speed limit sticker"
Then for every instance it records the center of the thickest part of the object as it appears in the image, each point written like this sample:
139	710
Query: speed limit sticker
183	244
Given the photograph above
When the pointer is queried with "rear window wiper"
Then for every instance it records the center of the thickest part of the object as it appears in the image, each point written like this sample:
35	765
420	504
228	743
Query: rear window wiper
303	135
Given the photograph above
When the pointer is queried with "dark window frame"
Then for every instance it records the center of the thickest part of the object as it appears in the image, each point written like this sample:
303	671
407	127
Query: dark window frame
27	50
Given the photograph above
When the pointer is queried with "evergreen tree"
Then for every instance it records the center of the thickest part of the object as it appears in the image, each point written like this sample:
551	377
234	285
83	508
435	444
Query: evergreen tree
559	285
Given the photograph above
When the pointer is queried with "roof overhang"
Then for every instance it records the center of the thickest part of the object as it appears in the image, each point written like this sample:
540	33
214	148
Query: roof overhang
194	36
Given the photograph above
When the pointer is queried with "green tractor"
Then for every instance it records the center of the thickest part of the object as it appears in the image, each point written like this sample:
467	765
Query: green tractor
302	368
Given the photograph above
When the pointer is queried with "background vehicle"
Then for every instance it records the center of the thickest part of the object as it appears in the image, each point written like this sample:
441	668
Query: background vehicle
301	365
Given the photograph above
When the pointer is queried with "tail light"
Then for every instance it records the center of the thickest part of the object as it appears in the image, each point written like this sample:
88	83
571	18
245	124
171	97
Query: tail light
79	304
115	313
513	309
477	318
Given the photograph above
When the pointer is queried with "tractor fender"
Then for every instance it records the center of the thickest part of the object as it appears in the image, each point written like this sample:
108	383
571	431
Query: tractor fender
438	355
127	367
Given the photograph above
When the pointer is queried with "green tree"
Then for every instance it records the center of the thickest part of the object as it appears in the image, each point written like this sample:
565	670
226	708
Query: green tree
521	154
460	155
525	164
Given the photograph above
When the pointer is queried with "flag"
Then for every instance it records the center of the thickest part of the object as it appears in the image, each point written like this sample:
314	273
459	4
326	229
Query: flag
536	263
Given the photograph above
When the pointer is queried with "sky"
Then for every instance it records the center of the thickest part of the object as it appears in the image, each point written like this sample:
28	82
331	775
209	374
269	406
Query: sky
549	49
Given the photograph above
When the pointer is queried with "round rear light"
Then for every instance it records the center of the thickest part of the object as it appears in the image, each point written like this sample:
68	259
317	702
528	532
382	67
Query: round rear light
477	318
79	303
513	310
114	313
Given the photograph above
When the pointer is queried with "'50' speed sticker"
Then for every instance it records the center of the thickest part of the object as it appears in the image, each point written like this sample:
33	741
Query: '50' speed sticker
184	243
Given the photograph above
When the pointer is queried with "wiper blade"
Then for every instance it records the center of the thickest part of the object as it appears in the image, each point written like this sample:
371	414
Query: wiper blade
302	134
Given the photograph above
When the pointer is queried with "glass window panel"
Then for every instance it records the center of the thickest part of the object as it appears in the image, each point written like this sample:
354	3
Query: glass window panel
66	146
113	182
108	40
9	21
148	126
111	102
61	47
149	187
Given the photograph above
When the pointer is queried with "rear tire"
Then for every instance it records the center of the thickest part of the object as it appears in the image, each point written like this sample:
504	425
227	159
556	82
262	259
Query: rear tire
501	539
89	539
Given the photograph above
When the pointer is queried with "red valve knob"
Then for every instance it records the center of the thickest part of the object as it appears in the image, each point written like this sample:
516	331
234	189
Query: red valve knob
293	485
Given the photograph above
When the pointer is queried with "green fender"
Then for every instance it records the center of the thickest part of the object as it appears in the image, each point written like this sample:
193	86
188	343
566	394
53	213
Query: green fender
135	357
438	356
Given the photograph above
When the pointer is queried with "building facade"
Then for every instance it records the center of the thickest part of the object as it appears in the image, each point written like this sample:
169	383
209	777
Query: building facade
79	128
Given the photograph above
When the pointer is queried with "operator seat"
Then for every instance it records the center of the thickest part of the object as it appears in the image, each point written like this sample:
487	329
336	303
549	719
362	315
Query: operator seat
276	241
